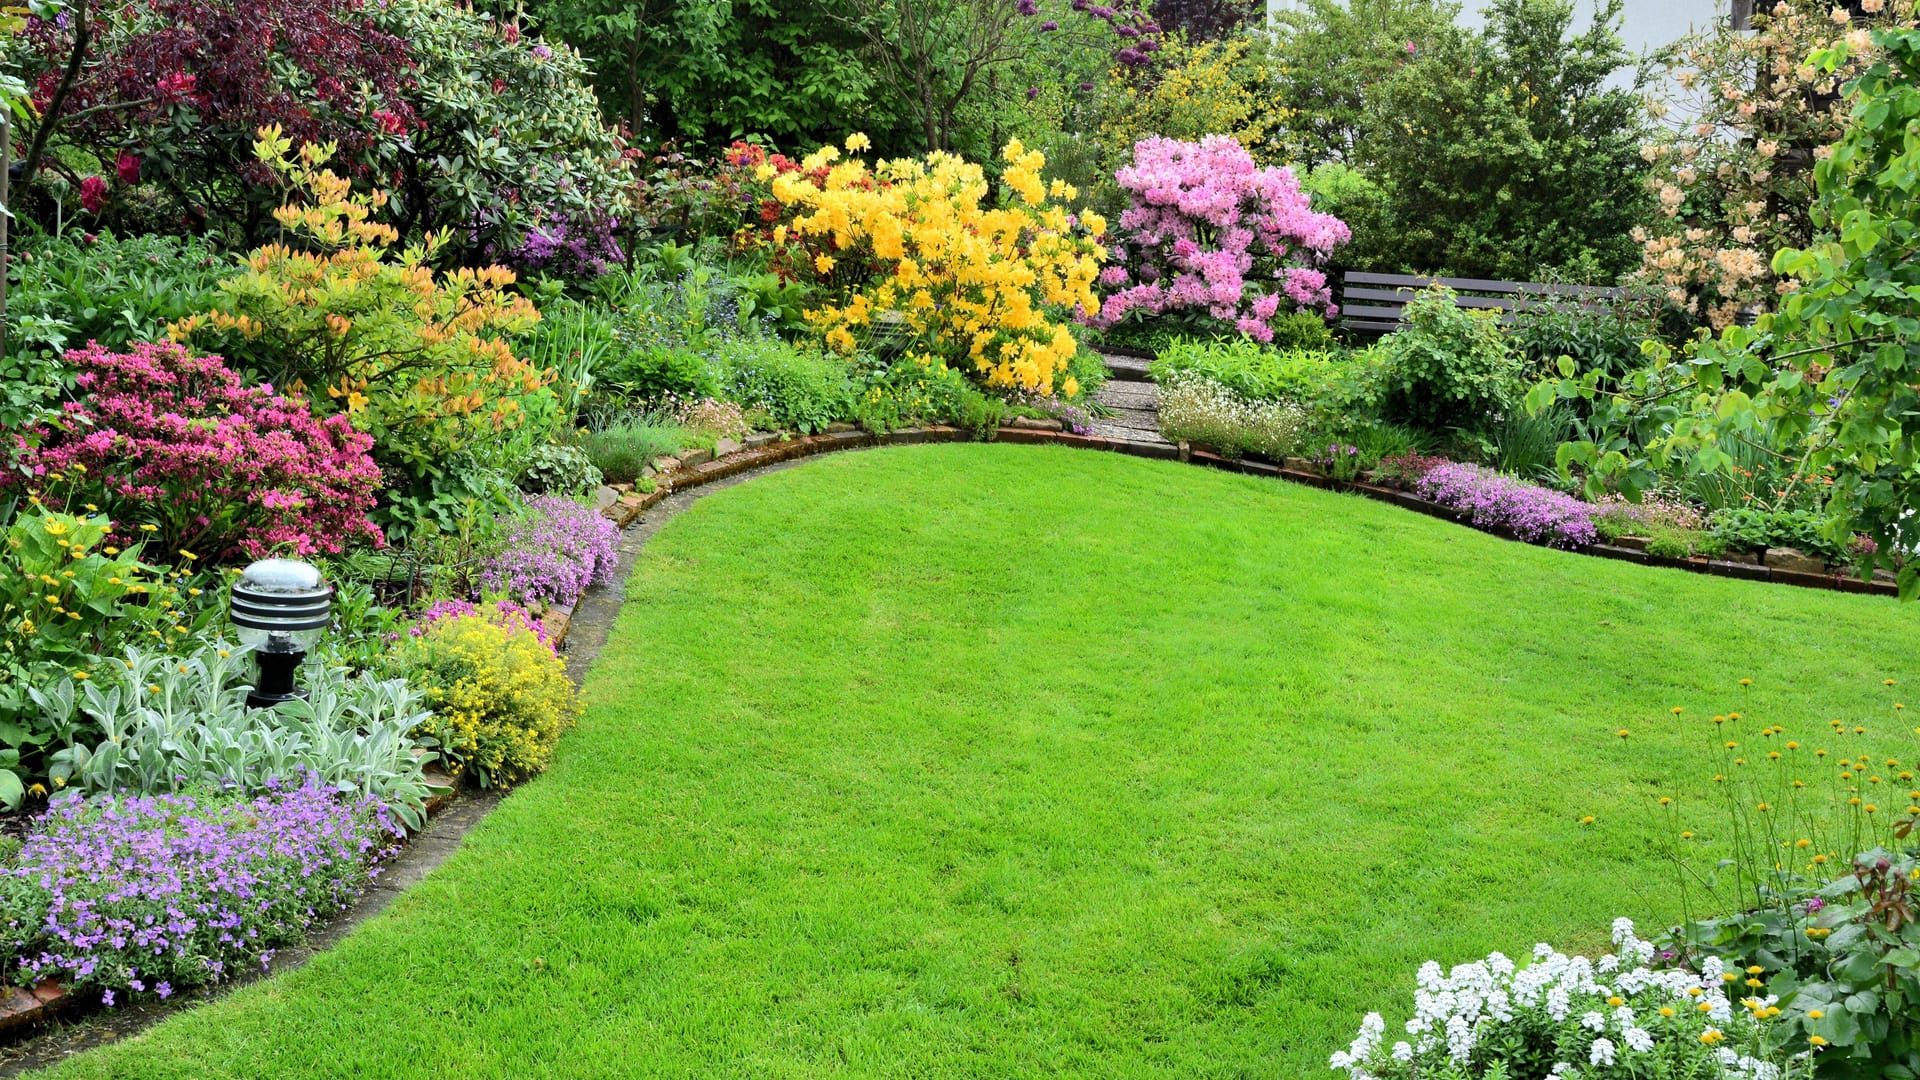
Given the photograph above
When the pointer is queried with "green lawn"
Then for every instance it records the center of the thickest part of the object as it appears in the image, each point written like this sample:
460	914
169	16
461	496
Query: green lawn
997	761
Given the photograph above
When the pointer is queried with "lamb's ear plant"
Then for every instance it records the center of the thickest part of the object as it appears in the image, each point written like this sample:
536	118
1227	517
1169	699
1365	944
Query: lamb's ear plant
156	721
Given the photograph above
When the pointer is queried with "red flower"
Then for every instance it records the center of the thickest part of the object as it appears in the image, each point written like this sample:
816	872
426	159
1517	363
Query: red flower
177	85
128	167
93	194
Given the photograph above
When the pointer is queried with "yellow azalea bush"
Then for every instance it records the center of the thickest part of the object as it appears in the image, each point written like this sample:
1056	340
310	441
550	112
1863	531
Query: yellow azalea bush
500	697
925	247
420	361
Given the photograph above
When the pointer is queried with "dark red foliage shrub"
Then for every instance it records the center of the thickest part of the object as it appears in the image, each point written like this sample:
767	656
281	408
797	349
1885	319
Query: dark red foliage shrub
182	455
184	85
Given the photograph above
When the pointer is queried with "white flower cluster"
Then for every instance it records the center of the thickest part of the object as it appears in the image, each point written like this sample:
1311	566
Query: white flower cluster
1601	1015
1196	409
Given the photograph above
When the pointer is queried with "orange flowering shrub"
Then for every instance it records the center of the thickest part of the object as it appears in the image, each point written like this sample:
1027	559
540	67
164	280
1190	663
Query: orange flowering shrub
416	359
916	247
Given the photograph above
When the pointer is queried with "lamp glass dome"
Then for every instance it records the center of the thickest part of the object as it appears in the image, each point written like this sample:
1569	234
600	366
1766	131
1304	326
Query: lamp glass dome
281	605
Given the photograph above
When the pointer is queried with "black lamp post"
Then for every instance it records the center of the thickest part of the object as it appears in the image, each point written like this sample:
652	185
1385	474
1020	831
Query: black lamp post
281	606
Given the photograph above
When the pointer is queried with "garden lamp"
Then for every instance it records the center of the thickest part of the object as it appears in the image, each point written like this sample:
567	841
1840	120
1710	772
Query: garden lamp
281	607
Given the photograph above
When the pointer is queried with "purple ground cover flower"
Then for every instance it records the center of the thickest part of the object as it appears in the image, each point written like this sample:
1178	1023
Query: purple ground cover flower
553	552
124	892
1492	500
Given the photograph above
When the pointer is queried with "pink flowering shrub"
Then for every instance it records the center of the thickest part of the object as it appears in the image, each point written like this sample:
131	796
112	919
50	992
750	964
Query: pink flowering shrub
1210	232
180	453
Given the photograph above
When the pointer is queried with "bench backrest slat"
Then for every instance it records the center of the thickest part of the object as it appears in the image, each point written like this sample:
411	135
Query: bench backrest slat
1385	296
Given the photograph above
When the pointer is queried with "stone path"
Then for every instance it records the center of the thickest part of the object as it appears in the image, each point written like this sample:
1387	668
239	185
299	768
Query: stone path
1134	401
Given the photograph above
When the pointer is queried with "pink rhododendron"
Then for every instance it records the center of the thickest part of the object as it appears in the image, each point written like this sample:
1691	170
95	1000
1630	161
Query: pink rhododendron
1210	231
183	455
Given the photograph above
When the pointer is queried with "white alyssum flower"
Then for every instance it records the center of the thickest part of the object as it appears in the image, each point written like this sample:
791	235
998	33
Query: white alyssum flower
1557	1008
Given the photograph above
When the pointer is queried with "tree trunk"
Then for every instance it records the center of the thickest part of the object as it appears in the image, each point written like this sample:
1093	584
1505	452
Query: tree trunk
82	38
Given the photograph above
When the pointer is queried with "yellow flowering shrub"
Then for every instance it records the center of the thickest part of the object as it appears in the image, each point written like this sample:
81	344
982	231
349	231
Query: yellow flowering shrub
924	248
500	697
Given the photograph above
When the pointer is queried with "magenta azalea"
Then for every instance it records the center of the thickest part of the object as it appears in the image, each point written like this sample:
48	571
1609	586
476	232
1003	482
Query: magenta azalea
1209	231
178	451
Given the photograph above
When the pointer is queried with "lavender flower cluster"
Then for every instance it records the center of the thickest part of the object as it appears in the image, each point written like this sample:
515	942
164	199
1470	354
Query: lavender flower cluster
553	552
157	893
1492	500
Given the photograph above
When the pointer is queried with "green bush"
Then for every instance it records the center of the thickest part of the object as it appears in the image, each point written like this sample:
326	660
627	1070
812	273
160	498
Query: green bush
1340	390
622	446
1753	529
512	148
915	391
1449	366
559	470
1603	336
799	389
63	293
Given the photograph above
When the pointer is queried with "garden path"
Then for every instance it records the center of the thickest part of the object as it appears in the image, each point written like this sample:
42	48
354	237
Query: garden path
1134	401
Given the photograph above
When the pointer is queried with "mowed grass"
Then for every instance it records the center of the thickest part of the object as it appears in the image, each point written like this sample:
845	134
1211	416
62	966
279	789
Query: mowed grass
992	761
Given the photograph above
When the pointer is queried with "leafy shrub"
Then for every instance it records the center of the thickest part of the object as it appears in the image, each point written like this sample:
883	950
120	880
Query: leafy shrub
917	390
985	290
155	894
557	469
1195	89
158	720
177	449
108	291
553	551
1753	529
1840	954
1493	501
509	151
1196	409
666	334
1205	224
797	390
1450	367
1614	1018
500	698
1338	389
66	595
1595	335
1306	331
622	446
418	361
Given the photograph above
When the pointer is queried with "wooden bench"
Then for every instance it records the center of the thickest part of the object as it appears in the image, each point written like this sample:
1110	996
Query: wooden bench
1376	303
